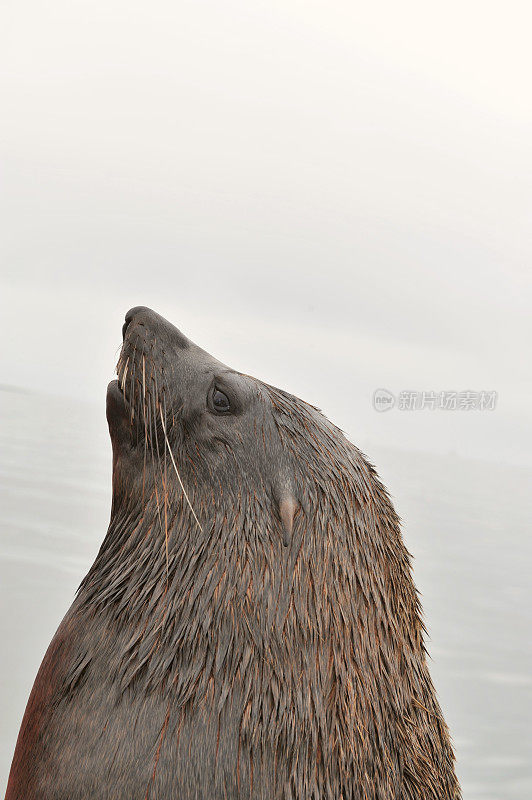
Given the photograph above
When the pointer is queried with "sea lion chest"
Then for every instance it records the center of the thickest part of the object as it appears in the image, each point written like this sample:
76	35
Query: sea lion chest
86	737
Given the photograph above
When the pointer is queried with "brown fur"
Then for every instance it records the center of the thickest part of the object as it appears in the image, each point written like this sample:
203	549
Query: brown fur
250	627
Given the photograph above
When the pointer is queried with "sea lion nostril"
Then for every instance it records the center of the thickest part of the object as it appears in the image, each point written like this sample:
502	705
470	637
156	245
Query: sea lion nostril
130	315
137	310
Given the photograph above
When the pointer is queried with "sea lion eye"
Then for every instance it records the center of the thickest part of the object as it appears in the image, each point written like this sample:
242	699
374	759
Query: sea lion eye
220	401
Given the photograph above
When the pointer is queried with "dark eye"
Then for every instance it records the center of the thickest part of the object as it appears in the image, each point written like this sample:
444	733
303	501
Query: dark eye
220	401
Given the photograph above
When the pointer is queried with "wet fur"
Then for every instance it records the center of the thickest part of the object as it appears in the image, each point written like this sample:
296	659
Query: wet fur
208	656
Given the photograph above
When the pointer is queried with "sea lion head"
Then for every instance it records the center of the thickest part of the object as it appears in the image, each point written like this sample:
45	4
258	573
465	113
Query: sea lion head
194	432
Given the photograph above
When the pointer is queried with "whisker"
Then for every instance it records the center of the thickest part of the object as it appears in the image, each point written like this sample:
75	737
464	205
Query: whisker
143	379
144	401
153	379
124	375
144	466
132	395
155	477
177	471
165	504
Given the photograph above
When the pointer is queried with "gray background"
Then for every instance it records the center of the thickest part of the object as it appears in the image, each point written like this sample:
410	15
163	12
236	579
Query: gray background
335	198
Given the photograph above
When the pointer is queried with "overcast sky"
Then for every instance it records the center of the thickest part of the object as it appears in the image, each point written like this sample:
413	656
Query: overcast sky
335	197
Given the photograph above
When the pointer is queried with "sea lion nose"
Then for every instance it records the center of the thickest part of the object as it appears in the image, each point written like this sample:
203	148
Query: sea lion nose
131	314
157	325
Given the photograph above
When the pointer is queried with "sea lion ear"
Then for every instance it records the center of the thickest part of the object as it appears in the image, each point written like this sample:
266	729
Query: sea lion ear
287	508
284	496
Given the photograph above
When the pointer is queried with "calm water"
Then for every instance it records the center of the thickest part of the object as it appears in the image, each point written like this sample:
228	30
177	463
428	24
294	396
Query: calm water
466	523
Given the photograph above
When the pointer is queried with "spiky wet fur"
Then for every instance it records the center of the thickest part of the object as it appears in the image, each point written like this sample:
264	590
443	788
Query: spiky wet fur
296	673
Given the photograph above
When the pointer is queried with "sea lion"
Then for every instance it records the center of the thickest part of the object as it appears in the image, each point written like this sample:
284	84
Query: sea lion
250	627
